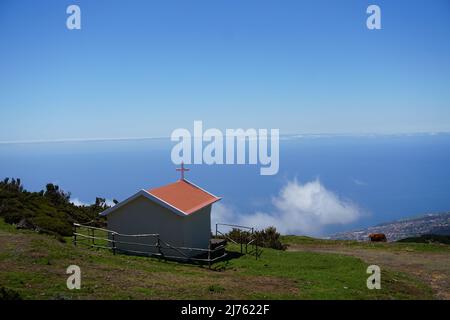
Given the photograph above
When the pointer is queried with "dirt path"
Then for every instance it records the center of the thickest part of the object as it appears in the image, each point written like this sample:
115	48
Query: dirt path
433	268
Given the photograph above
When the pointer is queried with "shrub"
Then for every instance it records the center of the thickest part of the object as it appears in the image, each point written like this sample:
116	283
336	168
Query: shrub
428	238
53	225
48	211
268	238
9	294
216	288
239	236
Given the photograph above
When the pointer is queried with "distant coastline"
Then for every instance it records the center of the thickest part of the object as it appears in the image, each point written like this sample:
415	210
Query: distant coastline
431	223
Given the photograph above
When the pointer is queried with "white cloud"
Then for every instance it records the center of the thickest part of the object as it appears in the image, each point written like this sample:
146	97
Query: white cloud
298	209
78	202
359	182
222	214
110	203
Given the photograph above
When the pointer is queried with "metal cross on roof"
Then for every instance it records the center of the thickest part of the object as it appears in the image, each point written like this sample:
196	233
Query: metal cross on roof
182	170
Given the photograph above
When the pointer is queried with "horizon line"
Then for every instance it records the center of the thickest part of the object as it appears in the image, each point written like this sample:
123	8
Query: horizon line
294	135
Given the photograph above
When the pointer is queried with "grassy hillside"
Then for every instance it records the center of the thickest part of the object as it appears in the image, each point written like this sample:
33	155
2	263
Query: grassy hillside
428	238
404	245
427	262
34	265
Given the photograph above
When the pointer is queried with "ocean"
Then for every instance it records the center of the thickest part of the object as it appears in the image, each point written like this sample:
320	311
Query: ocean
381	177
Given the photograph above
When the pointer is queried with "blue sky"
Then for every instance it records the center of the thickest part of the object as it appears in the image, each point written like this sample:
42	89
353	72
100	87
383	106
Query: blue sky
143	68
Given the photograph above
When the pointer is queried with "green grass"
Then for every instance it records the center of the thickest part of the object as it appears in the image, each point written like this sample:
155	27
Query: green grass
328	276
34	266
428	238
216	288
391	246
100	236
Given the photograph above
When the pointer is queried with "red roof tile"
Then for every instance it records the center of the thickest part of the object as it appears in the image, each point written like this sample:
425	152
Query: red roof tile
184	195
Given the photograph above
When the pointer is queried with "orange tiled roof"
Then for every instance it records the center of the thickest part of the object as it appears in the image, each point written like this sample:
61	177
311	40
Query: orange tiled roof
184	196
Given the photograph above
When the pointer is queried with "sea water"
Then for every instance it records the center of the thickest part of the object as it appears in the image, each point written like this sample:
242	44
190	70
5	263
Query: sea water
388	177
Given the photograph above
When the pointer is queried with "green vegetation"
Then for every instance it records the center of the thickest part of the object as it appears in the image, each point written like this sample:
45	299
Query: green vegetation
428	238
48	211
302	241
216	288
8	294
268	238
34	266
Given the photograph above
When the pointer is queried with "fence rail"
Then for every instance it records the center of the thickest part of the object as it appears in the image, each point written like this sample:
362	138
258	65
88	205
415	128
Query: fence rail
253	242
108	239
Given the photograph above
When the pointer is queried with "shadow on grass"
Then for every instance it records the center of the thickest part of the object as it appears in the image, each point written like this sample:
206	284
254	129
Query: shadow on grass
217	265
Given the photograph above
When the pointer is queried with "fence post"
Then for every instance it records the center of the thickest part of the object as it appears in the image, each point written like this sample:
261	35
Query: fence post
256	248
253	235
113	244
209	254
240	239
247	241
75	235
93	240
159	246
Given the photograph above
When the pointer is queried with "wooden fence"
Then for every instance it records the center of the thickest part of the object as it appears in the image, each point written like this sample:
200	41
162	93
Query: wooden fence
252	242
154	246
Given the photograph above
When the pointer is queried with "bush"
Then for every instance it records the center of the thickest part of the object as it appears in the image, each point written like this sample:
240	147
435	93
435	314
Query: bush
48	211
268	238
9	294
428	238
53	225
239	236
216	288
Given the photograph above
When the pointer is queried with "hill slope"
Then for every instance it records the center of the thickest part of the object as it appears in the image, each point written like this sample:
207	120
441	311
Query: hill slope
427	261
48	211
34	265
